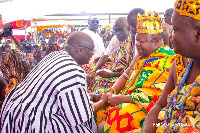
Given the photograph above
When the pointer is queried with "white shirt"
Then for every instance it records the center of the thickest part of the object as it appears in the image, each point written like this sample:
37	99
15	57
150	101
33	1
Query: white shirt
98	43
112	47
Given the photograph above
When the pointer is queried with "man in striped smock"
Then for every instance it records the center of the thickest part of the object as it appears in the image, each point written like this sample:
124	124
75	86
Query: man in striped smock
53	96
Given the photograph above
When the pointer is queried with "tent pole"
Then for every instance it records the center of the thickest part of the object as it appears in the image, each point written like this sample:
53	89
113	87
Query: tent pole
35	34
25	31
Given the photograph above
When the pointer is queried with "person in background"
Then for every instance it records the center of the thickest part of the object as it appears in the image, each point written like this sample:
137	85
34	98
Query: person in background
36	54
92	31
3	85
52	44
14	66
41	37
168	16
5	48
120	50
132	22
167	27
177	110
7	31
43	49
111	52
62	43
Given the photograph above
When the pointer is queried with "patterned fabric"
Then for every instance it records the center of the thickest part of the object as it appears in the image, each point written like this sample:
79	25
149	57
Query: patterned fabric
122	60
145	85
15	65
190	121
124	55
51	99
179	66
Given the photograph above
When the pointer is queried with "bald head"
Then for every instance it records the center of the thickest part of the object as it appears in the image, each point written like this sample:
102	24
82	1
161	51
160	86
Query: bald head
121	21
80	46
121	28
78	38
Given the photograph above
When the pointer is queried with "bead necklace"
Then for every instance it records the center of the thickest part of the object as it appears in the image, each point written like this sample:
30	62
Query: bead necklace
172	101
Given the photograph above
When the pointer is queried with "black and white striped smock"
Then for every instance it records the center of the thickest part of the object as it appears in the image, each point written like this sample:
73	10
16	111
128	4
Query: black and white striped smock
52	98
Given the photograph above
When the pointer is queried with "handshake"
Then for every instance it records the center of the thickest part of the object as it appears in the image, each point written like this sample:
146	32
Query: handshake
108	97
7	30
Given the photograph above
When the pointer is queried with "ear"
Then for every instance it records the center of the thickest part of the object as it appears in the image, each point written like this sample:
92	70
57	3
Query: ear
67	47
156	40
198	33
79	50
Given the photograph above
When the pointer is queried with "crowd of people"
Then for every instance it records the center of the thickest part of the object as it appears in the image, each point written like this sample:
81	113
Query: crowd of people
146	79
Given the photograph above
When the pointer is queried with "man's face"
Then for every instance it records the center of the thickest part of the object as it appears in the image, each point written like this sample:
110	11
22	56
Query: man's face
121	31
183	35
167	18
88	52
43	45
93	24
132	22
144	44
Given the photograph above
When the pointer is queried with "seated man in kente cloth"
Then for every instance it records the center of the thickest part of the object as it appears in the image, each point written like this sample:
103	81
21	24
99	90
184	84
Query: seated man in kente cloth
140	86
180	111
121	50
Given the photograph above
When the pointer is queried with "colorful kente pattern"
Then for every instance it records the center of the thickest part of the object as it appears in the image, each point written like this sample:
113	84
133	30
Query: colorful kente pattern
144	91
122	60
190	122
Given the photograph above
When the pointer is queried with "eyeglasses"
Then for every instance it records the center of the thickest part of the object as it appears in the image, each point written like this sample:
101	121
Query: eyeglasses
120	29
95	21
88	48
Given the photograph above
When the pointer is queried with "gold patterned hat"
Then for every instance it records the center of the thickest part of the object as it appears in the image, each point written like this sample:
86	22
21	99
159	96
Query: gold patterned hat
190	8
149	23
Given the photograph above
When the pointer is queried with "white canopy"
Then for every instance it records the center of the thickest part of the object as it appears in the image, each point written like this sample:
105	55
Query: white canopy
38	9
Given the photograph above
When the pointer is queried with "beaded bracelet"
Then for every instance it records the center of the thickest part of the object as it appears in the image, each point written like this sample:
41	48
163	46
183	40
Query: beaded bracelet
113	90
93	72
